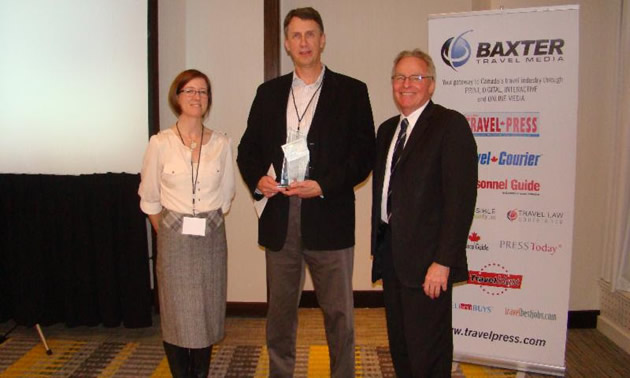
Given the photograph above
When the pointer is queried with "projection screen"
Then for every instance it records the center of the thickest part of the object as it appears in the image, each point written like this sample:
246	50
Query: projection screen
73	92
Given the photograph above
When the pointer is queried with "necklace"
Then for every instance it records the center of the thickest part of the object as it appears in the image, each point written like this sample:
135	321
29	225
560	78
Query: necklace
193	176
193	144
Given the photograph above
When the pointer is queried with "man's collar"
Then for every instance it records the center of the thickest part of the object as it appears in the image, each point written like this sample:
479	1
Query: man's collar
413	116
299	82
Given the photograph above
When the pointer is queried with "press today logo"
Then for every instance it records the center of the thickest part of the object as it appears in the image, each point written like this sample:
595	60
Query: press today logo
457	51
530	246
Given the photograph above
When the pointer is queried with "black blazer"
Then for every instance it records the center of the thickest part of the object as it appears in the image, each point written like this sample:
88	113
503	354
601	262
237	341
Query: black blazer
434	190
342	147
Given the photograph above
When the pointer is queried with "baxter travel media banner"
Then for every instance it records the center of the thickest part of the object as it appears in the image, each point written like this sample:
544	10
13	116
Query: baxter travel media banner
513	74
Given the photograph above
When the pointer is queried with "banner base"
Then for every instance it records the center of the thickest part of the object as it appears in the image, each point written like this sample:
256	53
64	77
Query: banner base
530	367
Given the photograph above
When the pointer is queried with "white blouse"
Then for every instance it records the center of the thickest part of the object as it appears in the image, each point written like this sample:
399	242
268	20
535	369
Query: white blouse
166	177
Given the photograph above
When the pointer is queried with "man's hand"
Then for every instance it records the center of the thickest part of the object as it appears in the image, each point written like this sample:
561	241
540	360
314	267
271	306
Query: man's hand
303	189
268	186
436	280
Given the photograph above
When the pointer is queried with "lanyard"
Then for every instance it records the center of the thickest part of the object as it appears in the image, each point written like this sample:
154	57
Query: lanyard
307	105
193	176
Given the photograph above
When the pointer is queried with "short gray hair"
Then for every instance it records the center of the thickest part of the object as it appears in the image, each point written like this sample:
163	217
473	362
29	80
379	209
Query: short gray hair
416	53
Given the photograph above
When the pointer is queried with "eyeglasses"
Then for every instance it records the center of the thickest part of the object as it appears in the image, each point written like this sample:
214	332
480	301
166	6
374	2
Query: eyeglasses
412	78
190	92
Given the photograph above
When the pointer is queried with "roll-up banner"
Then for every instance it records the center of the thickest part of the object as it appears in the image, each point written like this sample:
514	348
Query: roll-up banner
513	74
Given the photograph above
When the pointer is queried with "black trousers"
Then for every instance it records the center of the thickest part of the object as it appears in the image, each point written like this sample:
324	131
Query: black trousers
188	362
419	328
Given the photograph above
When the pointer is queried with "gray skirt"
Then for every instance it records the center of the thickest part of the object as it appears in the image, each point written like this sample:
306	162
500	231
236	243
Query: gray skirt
192	281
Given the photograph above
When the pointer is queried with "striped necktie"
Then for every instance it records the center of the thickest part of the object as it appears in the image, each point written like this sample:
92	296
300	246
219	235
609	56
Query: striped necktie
398	148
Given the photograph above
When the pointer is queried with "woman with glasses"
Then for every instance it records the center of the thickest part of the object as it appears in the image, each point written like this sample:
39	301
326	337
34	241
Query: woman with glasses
187	185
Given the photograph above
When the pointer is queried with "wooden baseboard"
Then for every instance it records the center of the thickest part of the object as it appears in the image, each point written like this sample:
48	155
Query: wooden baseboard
582	319
614	332
252	309
362	299
374	299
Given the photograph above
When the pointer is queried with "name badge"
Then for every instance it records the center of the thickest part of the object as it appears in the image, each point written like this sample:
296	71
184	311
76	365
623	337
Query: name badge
194	226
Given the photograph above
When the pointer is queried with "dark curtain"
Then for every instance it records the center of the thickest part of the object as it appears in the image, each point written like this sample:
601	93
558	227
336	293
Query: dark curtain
73	249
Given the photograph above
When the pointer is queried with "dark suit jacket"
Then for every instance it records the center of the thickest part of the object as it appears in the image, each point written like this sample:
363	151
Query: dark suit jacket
341	145
434	189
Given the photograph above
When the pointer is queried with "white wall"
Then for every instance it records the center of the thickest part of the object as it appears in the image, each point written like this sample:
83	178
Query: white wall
599	28
225	40
362	39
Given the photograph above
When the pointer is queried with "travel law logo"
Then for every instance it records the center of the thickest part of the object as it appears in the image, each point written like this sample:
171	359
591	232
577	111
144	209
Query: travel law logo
456	51
535	216
494	279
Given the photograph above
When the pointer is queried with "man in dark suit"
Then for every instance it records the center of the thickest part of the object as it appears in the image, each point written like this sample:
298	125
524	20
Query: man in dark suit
425	188
311	221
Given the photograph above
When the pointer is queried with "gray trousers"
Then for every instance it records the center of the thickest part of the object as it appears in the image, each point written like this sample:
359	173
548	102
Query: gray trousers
331	272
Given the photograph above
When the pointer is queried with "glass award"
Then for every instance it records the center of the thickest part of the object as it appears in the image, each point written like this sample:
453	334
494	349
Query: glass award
296	159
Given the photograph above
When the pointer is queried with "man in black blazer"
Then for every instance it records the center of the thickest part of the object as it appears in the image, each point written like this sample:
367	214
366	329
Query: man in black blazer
424	193
310	222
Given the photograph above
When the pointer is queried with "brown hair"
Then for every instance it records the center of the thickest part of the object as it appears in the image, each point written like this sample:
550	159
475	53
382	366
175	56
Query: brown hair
180	81
307	13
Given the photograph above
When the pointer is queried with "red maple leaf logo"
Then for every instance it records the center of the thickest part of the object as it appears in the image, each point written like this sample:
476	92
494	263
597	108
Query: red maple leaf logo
474	237
494	159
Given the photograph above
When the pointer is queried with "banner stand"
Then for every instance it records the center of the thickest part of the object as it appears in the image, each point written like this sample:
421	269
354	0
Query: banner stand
514	75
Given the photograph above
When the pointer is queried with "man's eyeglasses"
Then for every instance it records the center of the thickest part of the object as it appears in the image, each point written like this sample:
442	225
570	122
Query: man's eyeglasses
190	92
412	78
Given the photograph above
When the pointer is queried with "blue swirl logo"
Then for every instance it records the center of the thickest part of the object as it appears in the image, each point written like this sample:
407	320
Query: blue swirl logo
456	51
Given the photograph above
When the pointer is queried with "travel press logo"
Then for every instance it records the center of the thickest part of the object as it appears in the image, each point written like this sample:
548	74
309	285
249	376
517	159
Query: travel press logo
509	159
504	124
494	279
535	216
475	243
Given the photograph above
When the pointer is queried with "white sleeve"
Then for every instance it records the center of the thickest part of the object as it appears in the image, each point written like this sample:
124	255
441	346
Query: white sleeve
150	176
227	181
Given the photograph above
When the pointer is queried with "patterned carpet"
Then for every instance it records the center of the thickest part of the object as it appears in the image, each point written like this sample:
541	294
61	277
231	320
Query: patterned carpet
25	357
121	352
